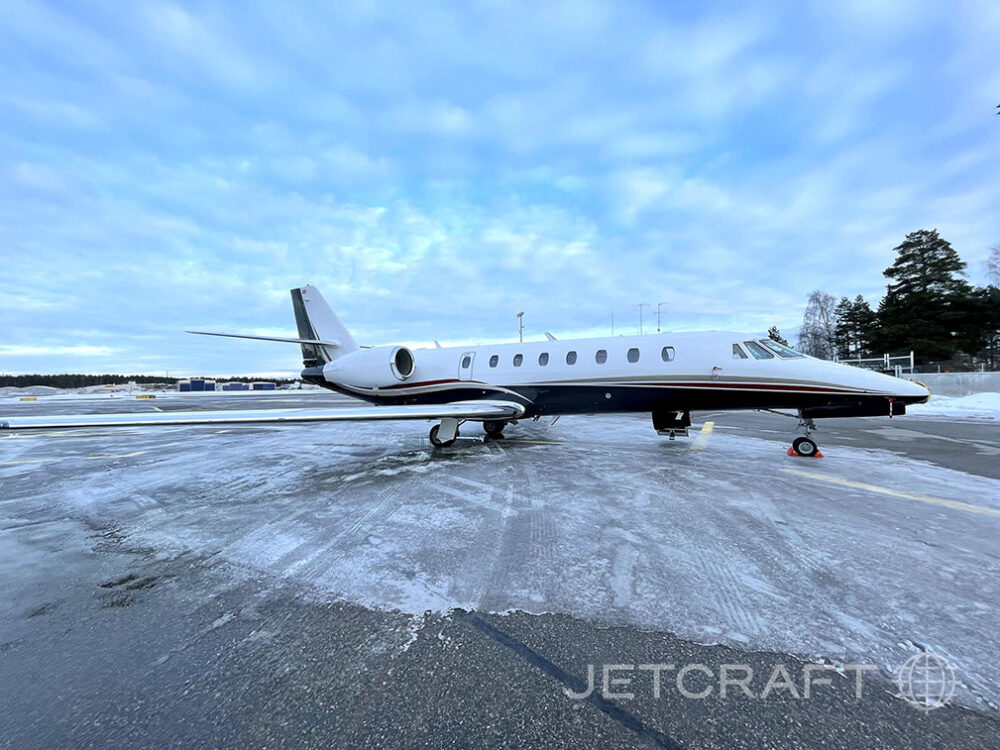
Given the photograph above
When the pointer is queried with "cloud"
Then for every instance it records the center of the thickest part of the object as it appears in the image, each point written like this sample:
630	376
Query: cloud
171	166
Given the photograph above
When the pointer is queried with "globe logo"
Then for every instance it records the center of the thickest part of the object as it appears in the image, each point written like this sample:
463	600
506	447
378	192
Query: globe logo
926	681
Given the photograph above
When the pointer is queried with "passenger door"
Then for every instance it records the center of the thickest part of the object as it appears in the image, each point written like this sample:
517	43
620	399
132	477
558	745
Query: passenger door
465	366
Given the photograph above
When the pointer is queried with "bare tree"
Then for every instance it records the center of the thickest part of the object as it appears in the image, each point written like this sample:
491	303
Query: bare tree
993	266
819	326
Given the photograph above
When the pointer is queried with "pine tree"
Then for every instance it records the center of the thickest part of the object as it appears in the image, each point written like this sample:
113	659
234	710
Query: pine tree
925	305
925	265
843	330
775	335
863	325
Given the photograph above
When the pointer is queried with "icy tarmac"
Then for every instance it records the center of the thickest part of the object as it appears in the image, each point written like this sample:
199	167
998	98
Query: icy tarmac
867	555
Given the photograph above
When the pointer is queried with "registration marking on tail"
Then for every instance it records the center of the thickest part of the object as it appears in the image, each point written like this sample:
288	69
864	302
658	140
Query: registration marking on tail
895	493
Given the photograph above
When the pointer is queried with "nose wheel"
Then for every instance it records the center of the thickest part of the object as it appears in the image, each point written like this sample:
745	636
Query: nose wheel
805	446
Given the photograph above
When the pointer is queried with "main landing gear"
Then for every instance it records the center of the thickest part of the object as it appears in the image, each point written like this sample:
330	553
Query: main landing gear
444	434
805	446
494	428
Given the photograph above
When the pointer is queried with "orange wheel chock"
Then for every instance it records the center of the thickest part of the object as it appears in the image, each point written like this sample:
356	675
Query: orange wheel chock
793	452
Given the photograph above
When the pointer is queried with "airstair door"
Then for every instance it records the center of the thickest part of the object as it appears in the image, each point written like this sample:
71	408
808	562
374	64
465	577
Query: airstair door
465	366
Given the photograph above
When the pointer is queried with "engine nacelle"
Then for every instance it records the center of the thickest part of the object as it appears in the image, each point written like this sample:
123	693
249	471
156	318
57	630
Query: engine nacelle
377	367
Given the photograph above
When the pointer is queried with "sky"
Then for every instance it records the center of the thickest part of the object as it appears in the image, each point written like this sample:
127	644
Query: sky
435	168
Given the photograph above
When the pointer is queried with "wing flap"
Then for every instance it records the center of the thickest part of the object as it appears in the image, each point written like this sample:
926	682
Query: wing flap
492	409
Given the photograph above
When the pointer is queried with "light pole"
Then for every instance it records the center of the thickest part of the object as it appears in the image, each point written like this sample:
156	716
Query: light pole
658	306
520	326
640	306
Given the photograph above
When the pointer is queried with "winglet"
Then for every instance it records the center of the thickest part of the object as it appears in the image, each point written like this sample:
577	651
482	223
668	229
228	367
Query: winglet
550	337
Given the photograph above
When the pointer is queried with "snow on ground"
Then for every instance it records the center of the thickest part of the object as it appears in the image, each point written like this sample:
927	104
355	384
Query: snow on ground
31	390
593	517
975	406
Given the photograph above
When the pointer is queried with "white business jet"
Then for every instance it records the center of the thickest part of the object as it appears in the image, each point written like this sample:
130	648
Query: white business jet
666	374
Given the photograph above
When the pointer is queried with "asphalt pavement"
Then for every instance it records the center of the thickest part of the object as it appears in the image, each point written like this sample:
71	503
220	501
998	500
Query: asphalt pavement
587	583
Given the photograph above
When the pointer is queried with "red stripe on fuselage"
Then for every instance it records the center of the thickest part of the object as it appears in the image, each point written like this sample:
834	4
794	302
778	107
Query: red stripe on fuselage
429	382
632	383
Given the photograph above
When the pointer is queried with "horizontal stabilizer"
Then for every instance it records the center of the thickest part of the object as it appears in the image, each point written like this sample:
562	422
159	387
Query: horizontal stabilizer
267	338
493	409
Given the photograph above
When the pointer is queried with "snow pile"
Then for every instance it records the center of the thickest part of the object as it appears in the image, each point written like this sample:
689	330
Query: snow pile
974	406
31	390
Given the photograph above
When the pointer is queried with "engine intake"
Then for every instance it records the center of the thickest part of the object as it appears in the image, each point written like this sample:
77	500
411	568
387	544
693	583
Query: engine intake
378	367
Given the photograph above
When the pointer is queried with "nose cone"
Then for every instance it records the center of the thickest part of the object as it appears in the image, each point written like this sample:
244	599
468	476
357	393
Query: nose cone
916	392
906	391
902	390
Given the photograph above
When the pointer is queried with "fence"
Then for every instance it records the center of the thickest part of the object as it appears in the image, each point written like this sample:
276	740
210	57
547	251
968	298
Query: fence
960	383
901	364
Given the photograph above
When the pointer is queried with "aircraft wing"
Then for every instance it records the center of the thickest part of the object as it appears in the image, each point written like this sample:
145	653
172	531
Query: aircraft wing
491	409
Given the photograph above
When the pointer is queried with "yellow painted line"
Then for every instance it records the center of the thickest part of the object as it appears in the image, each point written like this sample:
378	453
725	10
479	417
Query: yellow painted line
28	398
120	455
28	461
702	440
896	493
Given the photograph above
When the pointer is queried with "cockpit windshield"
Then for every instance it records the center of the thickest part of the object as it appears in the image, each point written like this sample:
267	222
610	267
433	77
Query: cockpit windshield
785	352
758	351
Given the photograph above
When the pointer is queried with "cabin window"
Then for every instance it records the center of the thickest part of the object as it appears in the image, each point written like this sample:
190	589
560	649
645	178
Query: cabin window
466	362
758	351
633	355
738	352
518	359
667	354
785	352
494	360
601	357
543	359
570	358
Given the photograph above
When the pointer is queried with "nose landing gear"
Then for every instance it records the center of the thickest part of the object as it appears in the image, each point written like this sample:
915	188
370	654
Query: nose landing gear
805	446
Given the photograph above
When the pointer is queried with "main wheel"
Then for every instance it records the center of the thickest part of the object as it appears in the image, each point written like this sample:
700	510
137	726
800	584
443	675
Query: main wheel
494	428
438	443
804	446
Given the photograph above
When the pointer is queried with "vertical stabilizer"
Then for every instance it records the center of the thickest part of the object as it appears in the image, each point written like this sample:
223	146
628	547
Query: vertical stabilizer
316	320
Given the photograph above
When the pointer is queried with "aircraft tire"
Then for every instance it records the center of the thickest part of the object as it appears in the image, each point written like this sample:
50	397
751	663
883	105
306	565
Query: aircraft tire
494	428
439	443
804	446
